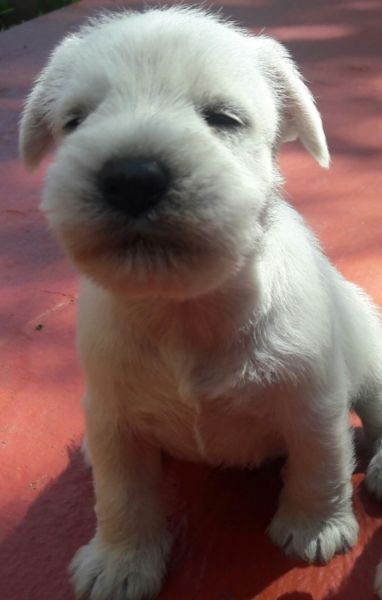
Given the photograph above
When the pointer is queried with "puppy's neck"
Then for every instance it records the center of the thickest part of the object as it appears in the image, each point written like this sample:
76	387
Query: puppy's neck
207	322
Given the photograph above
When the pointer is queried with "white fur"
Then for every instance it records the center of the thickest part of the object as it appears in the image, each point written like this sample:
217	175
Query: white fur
230	324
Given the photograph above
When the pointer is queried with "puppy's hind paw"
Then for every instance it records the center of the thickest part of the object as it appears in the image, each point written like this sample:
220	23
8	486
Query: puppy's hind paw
102	571
86	452
313	540
374	475
378	581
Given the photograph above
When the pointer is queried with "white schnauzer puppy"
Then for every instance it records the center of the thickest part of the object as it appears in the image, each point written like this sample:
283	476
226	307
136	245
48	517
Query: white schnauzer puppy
211	325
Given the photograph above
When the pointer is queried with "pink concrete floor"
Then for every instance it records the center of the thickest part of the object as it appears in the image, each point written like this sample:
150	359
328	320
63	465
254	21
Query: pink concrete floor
222	552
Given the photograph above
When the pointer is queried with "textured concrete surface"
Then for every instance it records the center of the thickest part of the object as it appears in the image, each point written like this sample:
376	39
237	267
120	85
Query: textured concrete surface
222	552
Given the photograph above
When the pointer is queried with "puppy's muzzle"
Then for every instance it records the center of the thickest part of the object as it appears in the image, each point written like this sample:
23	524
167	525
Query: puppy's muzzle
133	186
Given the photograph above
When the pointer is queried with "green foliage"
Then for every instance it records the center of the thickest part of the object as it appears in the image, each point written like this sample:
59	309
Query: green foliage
13	12
60	3
5	7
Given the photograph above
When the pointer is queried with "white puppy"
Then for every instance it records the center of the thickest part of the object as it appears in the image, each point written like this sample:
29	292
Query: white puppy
211	325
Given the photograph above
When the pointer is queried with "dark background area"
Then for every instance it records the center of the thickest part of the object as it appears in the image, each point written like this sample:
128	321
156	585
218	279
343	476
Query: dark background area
17	11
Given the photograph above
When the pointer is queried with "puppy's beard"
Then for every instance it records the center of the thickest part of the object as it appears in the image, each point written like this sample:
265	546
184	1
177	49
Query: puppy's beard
145	265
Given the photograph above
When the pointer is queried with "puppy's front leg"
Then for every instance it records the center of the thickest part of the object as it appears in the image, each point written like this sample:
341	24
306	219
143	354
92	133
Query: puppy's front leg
126	559
315	519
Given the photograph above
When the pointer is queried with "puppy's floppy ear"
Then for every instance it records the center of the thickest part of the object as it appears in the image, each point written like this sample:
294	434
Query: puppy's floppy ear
35	137
36	125
299	117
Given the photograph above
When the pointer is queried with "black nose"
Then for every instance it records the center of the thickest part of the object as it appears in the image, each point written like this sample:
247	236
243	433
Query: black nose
133	186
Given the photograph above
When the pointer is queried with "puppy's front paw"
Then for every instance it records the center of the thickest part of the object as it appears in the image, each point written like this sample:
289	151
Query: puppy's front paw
313	540
102	571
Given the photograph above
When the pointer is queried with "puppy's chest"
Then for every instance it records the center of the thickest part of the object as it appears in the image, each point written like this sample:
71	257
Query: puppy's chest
193	410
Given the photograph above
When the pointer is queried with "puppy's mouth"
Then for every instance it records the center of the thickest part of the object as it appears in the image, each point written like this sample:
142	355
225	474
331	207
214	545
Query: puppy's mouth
136	245
165	254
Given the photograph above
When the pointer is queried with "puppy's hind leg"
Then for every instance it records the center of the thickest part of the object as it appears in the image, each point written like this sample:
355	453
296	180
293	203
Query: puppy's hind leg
315	518
369	408
378	581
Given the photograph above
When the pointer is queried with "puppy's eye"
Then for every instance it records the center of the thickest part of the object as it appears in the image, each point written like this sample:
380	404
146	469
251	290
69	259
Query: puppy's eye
72	123
222	119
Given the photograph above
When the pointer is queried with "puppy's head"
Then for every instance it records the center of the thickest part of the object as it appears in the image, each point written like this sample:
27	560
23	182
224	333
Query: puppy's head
165	125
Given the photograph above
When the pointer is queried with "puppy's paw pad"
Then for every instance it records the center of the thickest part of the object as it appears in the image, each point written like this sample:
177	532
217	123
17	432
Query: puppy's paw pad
313	540
100	571
374	476
378	581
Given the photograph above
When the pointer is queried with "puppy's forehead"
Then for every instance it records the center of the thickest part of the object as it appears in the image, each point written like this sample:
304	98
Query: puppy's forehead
185	51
